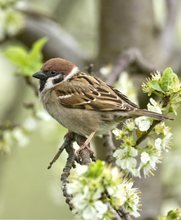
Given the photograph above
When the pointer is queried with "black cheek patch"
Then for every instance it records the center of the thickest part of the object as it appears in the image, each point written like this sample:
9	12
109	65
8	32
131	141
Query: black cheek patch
42	84
58	79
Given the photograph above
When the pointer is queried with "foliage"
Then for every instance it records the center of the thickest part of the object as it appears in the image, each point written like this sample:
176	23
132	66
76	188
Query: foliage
26	61
167	87
11	21
172	215
100	190
143	158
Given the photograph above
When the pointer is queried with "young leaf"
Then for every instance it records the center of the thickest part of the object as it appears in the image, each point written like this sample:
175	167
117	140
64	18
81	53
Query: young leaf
17	55
35	53
155	85
169	81
27	62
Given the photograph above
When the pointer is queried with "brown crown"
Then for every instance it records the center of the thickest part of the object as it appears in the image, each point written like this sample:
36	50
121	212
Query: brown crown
58	65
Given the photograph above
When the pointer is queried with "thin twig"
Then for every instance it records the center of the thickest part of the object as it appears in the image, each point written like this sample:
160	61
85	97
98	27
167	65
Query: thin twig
66	171
127	58
144	136
124	214
68	138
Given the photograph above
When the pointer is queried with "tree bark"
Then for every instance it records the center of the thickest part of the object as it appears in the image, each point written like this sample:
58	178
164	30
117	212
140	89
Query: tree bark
125	24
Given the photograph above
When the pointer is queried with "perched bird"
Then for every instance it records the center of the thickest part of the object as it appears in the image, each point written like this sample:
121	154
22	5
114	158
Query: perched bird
83	103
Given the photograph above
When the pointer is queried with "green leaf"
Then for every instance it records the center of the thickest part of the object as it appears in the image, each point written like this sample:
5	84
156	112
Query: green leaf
35	52
95	169
169	81
27	62
155	85
172	215
17	55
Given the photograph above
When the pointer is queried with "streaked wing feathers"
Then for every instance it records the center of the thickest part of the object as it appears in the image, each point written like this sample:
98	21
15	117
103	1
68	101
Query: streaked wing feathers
88	92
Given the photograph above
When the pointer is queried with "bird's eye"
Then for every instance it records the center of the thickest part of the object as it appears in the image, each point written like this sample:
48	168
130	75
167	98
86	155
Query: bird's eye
53	73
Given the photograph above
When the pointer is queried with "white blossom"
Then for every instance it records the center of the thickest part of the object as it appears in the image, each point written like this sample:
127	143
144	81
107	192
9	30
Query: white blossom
20	137
120	194
30	124
127	163
158	143
80	169
43	116
156	75
116	132
89	190
145	157
166	141
154	106
125	158
133	200
163	144
151	164
143	123
115	173
101	208
89	213
105	70
130	124
73	187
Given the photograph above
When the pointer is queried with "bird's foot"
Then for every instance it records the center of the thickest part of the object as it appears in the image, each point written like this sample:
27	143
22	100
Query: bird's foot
83	147
83	151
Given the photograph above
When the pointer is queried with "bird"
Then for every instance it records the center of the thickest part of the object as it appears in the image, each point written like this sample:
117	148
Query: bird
83	103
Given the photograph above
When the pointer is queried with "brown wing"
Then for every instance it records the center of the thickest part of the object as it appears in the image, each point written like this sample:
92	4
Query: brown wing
87	92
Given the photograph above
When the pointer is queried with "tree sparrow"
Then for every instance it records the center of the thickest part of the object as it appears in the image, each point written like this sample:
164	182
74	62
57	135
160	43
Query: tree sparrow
83	103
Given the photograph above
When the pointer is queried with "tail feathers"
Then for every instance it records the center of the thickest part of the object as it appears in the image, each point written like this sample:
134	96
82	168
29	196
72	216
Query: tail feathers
157	116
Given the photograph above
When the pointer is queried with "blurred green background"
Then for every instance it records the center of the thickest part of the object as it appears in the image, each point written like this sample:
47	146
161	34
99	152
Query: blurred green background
27	189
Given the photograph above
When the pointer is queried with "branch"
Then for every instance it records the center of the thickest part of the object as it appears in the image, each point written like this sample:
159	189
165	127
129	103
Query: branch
124	214
165	102
68	145
129	57
144	136
109	147
68	140
84	155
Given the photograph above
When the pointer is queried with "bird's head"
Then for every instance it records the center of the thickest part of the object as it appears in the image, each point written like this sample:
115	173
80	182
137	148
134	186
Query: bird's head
55	71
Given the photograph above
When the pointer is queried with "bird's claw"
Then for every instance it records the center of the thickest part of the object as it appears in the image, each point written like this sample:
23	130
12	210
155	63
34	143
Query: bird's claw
83	147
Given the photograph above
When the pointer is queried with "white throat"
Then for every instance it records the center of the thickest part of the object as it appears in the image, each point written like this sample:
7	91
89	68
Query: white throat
49	83
74	71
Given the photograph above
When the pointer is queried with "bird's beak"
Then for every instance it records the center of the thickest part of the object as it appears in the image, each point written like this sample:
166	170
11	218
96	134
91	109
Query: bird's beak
40	75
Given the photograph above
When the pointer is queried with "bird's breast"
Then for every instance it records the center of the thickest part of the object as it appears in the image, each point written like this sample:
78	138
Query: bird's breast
79	121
